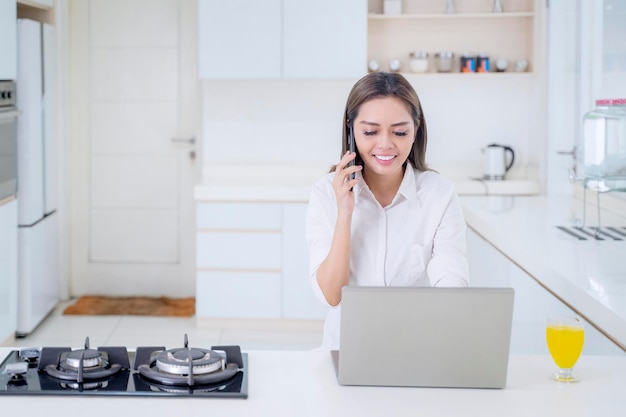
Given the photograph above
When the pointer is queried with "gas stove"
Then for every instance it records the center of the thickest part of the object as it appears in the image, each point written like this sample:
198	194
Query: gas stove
221	371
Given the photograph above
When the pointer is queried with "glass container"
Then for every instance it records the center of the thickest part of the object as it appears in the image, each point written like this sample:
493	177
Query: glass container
601	161
418	61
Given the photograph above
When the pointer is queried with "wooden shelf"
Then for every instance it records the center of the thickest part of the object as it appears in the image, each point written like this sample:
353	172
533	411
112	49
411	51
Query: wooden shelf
510	15
505	74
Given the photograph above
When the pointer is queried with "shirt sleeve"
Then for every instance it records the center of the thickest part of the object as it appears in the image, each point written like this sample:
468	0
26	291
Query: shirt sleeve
448	266
320	220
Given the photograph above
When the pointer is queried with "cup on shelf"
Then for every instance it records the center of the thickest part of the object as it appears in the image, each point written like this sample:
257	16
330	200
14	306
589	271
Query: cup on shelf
444	60
395	65
501	64
451	6
373	65
392	7
521	65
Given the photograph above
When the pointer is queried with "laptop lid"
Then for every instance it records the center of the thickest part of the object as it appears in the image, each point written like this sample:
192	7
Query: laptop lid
425	337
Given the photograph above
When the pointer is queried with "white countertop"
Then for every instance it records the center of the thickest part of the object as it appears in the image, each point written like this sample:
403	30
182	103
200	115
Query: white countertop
587	275
292	182
297	383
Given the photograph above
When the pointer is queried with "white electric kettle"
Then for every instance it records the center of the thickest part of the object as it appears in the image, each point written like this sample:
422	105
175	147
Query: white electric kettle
498	160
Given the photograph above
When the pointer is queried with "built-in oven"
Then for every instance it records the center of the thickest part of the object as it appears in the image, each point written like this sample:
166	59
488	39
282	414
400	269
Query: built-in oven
8	140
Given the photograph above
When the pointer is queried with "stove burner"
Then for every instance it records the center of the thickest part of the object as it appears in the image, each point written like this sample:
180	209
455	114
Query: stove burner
177	361
87	358
188	367
82	365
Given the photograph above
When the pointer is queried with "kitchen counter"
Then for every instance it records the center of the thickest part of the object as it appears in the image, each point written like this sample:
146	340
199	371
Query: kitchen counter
589	276
297	383
292	182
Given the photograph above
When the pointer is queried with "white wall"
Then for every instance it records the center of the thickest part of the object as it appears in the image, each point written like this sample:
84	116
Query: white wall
282	121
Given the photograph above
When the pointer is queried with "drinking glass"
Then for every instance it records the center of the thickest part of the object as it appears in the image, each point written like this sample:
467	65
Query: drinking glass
565	336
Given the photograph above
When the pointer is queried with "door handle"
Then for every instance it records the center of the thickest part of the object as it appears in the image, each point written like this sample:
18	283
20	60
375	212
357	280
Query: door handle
190	140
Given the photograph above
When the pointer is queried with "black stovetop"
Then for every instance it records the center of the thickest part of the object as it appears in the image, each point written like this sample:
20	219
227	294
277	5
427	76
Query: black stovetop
30	372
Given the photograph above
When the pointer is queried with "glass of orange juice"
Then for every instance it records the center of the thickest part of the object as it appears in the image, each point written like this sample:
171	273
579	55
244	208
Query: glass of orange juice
565	336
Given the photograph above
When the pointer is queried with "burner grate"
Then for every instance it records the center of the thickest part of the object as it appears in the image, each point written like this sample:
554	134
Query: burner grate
595	233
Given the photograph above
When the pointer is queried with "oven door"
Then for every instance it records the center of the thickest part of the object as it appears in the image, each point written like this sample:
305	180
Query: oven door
8	152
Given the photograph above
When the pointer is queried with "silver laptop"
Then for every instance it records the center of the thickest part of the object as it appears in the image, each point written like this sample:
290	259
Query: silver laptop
424	337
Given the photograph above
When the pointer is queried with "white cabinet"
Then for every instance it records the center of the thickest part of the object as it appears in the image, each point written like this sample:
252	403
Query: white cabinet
252	39
533	303
252	262
8	39
239	38
324	38
8	270
298	299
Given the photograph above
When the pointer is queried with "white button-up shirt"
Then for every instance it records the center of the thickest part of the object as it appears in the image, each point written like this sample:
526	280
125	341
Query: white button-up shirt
418	240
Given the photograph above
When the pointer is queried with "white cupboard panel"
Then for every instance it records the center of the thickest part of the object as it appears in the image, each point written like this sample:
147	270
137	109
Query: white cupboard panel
238	295
8	269
324	38
298	299
216	250
239	38
133	235
134	74
137	23
30	123
138	128
134	181
8	41
237	216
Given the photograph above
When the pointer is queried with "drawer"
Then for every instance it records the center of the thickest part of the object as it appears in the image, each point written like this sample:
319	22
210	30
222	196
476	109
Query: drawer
238	216
239	250
238	295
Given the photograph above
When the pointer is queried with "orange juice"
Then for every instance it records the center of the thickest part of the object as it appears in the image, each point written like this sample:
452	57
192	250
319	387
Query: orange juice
565	344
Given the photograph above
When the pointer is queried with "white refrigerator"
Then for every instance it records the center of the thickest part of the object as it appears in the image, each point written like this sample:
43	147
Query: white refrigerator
38	234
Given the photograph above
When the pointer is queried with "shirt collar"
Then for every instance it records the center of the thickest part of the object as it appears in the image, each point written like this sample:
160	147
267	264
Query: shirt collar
408	187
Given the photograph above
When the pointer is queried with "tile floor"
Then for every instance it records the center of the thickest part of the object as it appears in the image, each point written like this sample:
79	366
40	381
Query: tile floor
132	331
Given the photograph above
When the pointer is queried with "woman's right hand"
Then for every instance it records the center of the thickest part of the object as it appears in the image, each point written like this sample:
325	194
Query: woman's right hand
342	184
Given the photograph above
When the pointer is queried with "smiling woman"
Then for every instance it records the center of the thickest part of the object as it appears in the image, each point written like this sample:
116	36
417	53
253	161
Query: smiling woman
397	224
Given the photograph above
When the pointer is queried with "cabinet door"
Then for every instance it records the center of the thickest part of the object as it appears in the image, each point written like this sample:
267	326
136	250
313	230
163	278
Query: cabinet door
8	39
298	299
230	294
239	39
324	38
533	304
8	270
238	250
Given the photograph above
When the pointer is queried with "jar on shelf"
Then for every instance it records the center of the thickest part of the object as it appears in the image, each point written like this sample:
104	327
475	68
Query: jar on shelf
601	158
395	65
392	7
418	61
373	65
444	61
468	62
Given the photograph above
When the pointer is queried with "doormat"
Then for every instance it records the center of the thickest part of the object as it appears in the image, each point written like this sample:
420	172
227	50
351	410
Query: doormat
132	306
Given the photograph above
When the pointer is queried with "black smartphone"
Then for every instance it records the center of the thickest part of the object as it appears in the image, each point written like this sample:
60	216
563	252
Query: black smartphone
352	148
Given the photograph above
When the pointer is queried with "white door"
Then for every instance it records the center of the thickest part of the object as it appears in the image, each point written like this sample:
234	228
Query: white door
133	89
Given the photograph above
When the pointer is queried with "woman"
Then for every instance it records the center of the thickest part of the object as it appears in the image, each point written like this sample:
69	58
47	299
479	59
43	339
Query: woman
397	223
